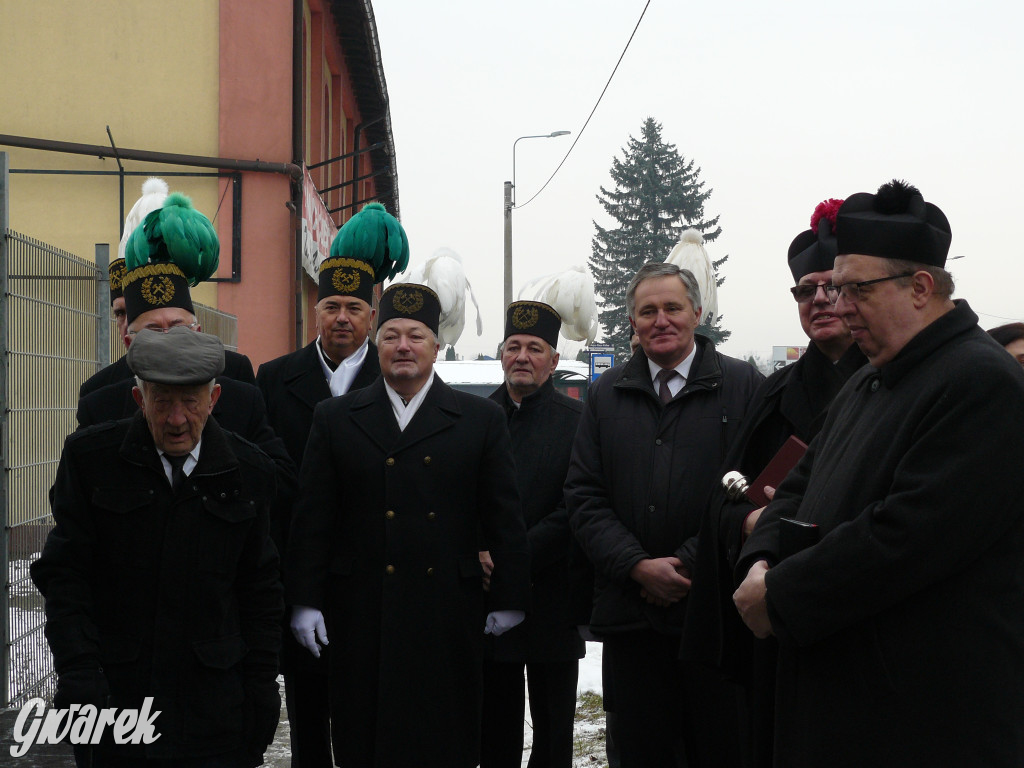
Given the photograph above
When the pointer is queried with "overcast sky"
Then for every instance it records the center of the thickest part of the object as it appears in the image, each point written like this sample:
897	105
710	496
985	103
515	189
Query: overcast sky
781	105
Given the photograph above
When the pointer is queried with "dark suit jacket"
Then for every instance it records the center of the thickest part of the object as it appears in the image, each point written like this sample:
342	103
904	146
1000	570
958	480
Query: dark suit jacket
293	384
236	366
385	539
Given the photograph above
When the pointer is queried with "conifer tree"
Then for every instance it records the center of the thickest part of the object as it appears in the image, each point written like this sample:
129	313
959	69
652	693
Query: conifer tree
657	194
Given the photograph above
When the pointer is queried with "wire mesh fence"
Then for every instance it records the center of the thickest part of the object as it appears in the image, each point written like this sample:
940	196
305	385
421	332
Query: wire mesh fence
52	306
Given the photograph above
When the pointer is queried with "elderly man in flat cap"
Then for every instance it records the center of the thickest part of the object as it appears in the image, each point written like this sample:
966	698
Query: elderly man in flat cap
400	484
160	576
890	564
542	422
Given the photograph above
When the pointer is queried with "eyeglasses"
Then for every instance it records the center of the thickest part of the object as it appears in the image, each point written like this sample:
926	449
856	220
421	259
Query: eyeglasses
806	292
855	291
160	329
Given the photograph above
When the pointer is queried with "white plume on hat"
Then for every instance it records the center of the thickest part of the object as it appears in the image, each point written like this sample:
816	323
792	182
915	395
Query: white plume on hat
154	192
443	272
689	254
571	294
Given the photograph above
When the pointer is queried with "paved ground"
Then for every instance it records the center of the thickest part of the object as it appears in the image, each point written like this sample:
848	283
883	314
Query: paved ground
278	754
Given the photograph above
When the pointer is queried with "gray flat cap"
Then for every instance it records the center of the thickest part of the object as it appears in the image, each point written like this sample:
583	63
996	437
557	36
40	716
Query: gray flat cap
180	356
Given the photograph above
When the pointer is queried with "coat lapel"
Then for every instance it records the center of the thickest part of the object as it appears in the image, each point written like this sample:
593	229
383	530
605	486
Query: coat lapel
438	412
304	377
371	412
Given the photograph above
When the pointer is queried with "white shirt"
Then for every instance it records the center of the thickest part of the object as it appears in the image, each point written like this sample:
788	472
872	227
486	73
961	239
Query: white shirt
340	379
676	383
190	461
405	411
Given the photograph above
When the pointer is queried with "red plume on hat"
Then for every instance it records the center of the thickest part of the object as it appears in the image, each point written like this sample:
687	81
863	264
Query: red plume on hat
826	209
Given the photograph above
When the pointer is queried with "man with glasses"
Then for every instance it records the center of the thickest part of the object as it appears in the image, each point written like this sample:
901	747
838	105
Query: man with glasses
792	401
900	621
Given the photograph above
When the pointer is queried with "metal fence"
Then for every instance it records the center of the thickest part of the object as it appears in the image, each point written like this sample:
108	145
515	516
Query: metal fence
49	349
53	303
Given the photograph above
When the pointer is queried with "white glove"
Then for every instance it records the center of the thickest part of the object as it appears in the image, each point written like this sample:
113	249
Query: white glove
308	627
499	622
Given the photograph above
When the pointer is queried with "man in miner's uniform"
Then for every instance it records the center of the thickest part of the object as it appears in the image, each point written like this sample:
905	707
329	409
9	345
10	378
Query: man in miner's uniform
401	483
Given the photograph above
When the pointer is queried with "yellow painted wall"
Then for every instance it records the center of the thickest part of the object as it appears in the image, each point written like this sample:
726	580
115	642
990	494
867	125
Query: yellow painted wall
149	70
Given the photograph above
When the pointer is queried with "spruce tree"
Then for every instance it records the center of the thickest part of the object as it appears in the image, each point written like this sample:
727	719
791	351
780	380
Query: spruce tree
657	194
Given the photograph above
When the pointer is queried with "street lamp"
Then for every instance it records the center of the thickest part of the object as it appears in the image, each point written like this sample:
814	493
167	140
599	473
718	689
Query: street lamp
510	204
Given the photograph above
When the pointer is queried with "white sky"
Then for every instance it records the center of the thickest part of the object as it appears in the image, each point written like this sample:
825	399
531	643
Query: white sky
780	104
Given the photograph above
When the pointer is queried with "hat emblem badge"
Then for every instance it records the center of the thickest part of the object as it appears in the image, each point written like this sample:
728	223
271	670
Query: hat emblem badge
157	290
117	274
407	302
525	317
346	280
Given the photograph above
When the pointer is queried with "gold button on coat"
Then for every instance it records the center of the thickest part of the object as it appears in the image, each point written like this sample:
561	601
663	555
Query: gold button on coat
431	515
430	571
390	570
390	462
390	514
426	459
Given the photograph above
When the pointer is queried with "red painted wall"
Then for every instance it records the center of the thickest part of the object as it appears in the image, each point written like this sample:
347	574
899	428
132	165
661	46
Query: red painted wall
255	123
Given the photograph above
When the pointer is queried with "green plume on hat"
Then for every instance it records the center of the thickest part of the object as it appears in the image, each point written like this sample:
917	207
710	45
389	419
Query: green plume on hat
375	236
177	233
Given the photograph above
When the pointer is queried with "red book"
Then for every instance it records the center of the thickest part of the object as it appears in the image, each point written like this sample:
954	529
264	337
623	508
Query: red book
780	465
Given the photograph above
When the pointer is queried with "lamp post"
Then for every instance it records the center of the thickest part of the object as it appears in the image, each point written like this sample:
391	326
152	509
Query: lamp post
510	204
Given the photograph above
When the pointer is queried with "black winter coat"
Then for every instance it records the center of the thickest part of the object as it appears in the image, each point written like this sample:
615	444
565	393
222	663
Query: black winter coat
901	632
792	401
174	596
293	384
542	430
385	540
239	409
641	474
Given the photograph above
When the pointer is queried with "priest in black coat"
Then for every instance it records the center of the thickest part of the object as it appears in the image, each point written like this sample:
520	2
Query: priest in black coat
402	482
901	639
791	402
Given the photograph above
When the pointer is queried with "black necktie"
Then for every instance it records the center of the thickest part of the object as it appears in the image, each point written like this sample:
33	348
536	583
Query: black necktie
664	376
177	470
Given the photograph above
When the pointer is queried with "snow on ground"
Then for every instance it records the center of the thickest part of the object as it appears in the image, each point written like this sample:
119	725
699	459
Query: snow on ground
31	658
590	670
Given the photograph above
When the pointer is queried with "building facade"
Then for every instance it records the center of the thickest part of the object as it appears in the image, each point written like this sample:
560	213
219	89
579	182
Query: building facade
233	102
